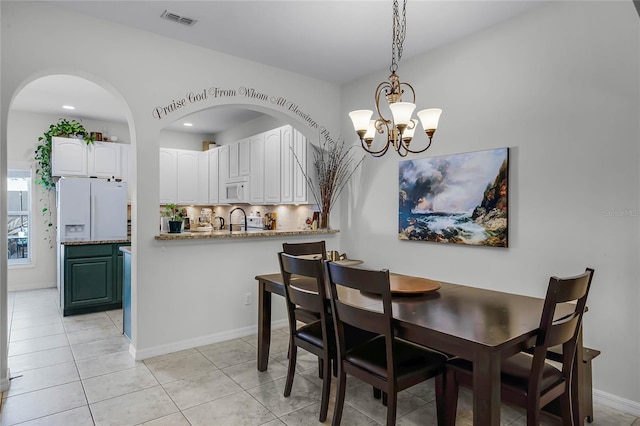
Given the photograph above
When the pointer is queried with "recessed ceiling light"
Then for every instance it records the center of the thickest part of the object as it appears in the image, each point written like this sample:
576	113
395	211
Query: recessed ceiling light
68	107
188	124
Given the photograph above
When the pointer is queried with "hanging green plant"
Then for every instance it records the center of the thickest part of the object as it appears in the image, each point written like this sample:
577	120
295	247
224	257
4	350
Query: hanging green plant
44	178
63	128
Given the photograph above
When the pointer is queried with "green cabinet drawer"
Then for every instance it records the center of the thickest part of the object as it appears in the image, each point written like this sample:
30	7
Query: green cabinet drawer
89	250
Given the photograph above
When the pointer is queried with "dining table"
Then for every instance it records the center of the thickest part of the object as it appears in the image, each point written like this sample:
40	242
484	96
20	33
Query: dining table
481	325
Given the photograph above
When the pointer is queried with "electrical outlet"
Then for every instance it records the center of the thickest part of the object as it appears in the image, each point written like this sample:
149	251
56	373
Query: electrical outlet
247	298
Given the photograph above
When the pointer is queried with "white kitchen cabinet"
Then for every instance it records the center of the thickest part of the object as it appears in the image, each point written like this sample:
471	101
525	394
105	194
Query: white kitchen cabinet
234	154
272	166
300	186
286	164
73	157
168	176
239	158
244	159
68	157
187	175
223	172
203	178
103	160
214	189
256	178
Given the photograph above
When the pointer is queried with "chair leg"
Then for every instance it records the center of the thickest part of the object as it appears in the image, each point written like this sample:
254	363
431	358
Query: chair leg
385	399
340	391
320	368
377	393
441	403
392	403
451	398
326	389
293	354
565	408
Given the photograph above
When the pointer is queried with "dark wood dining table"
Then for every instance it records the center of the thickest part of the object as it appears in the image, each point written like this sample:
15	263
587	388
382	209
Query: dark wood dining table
483	326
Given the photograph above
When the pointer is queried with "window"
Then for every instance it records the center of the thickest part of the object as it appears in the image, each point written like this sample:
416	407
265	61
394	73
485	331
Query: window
19	216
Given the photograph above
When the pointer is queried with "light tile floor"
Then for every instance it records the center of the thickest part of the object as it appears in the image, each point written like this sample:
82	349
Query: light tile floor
77	371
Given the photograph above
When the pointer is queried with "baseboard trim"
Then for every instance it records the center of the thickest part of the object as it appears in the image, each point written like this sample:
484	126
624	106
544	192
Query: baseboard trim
140	354
5	382
29	286
616	402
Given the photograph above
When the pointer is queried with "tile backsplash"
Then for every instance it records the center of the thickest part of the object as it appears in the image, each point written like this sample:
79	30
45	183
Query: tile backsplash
289	217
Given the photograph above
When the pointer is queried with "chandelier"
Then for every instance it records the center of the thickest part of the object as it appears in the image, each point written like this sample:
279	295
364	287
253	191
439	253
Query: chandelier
401	127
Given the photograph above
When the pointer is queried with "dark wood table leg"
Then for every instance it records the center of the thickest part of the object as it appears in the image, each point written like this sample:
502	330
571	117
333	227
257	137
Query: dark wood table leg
486	389
264	326
577	390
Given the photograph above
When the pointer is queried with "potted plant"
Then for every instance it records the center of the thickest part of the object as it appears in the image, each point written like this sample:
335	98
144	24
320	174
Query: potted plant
176	217
334	164
63	128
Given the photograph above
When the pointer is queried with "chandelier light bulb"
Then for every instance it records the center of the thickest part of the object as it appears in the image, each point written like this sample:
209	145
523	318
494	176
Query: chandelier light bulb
401	112
360	119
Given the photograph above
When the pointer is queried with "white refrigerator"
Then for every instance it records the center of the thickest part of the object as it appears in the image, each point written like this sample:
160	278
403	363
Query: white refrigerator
91	210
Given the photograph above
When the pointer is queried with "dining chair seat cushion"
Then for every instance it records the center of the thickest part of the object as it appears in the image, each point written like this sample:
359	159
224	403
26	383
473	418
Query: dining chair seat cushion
372	356
516	372
312	333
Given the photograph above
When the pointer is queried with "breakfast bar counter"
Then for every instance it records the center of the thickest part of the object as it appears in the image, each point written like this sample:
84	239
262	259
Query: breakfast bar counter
225	234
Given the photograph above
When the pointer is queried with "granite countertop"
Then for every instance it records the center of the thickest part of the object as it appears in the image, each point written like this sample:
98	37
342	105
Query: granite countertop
239	234
84	243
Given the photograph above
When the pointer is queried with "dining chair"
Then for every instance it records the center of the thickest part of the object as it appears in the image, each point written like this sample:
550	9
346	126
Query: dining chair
385	362
300	249
528	380
315	336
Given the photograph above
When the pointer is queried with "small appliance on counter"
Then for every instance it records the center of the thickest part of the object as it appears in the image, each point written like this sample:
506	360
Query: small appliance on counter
204	221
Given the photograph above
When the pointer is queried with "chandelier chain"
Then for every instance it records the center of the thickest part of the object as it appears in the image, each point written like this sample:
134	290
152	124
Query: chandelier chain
399	32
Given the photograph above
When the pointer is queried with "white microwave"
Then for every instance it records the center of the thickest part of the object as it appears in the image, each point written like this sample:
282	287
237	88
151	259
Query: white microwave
237	191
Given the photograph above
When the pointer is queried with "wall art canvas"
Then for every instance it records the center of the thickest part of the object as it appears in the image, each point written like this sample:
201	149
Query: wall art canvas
459	198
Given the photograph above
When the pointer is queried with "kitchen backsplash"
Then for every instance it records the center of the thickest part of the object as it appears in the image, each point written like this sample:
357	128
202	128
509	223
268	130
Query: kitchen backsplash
289	217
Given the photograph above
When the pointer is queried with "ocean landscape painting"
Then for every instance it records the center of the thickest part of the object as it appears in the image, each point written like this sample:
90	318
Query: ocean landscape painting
459	198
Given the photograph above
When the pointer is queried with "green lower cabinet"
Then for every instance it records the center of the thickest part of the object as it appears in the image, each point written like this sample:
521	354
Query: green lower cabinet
92	279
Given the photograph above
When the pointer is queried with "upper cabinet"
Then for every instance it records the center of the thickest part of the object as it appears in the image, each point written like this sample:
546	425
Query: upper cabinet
73	157
68	157
278	166
256	178
272	166
184	176
239	158
168	176
103	160
214	180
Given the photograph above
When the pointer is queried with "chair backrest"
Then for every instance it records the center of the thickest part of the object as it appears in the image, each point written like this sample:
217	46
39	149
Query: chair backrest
299	249
564	330
375	283
304	287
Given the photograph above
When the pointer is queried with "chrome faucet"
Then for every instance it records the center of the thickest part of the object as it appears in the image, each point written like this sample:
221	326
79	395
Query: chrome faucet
245	218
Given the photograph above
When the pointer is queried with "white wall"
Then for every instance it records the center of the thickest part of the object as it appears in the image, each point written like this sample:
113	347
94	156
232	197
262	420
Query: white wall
183	293
559	86
252	127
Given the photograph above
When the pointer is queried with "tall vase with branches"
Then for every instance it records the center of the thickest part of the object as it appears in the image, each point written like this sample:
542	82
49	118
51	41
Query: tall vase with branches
334	164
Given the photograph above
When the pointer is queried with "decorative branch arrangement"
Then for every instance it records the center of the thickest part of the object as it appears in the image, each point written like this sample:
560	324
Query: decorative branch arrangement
334	165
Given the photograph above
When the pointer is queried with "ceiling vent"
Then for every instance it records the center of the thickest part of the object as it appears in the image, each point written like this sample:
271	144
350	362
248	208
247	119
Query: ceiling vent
172	16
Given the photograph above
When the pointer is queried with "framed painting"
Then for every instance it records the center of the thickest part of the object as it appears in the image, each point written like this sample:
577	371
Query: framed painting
459	198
